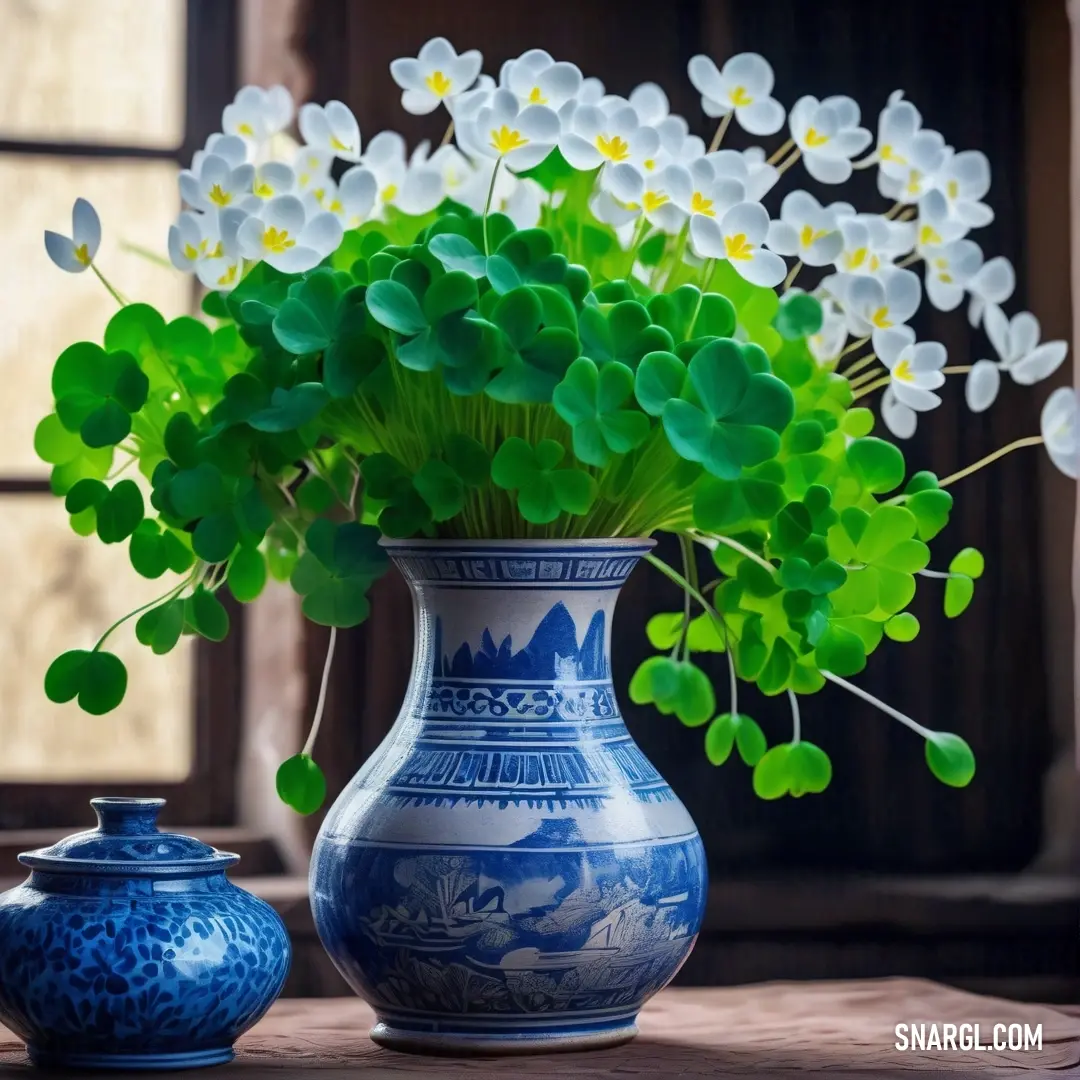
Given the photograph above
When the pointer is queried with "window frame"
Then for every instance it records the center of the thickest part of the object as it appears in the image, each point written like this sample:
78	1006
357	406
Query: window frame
207	796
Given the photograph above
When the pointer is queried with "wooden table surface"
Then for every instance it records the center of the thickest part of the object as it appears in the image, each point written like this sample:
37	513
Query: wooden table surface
769	1029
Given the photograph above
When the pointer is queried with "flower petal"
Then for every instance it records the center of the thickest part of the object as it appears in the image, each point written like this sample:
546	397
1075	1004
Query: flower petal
890	343
751	71
419	102
915	397
749	219
783	238
578	152
764	116
928	356
827	170
528	157
1058	424
762	268
705	78
86	226
421	192
982	385
1024	333
995	282
996	325
249	238
61	249
285	212
1040	363
539	123
903	293
322	234
899	419
625	182
650	103
314	126
294	260
707	237
407	72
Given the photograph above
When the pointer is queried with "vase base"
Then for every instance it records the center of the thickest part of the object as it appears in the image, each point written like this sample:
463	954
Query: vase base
445	1037
184	1059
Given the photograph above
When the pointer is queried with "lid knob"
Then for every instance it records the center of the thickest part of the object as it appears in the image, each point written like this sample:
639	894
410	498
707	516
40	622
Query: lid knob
127	817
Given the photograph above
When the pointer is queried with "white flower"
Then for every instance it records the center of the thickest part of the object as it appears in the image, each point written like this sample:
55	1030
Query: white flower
990	287
738	237
501	129
606	208
287	238
206	244
880	302
915	367
806	229
963	180
273	178
457	173
215	183
413	187
653	108
256	115
230	147
660	194
935	225
911	171
828	343
596	135
899	419
311	167
350	201
870	242
949	269
76	252
743	85
591	92
1016	341
331	127
898	124
711	195
828	134
438	74
1058	424
536	78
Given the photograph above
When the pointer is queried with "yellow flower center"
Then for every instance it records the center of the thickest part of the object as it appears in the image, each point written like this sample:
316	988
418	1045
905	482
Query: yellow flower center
277	241
881	319
903	371
875	262
929	235
614	149
217	253
649	163
815	138
263	190
318	194
737	247
190	252
219	196
335	207
506	139
388	192
536	96
809	235
854	259
887	153
337	144
304	179
228	277
82	253
739	97
438	84
952	188
653	200
945	278
700	205
245	129
913	182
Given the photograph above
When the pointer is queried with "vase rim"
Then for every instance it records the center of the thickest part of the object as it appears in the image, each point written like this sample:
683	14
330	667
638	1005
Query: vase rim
578	543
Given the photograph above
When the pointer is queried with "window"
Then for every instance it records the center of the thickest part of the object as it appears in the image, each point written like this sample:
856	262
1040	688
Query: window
104	101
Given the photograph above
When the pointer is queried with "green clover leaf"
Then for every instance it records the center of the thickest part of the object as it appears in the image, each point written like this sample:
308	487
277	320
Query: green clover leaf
97	392
247	574
625	333
160	627
735	730
301	784
799	316
98	679
543	490
792	769
674	686
154	550
737	415
950	758
590	400
335	572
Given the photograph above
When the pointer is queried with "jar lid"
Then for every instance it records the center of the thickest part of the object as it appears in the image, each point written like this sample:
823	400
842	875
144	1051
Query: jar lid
127	842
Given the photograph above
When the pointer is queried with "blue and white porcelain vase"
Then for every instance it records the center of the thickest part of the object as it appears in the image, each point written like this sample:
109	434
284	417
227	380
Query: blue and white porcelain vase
128	948
508	872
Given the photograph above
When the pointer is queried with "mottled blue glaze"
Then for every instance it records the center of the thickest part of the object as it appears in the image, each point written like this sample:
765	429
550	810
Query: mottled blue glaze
508	872
128	948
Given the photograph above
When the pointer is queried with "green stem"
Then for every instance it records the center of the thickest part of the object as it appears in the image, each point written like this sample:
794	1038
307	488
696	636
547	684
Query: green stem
313	734
862	362
104	281
869	388
487	204
915	726
703	538
190	579
639	238
792	275
685	585
680	251
796	719
1016	444
721	131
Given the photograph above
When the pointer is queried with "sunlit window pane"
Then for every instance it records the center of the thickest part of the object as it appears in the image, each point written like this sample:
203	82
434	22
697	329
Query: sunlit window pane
46	309
59	591
93	71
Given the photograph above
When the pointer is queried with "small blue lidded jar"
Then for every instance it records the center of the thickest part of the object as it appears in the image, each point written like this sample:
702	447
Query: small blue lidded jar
128	948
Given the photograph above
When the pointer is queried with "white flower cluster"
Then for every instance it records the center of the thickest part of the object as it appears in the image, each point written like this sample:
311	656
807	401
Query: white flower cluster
255	194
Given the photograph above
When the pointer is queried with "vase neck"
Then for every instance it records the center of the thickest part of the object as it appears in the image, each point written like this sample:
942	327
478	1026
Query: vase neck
525	615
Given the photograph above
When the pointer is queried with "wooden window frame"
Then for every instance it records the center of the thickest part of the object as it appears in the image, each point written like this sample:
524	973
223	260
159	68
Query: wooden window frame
208	794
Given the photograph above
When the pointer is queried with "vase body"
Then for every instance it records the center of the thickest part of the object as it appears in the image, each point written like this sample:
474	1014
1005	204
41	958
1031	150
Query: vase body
128	948
508	872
